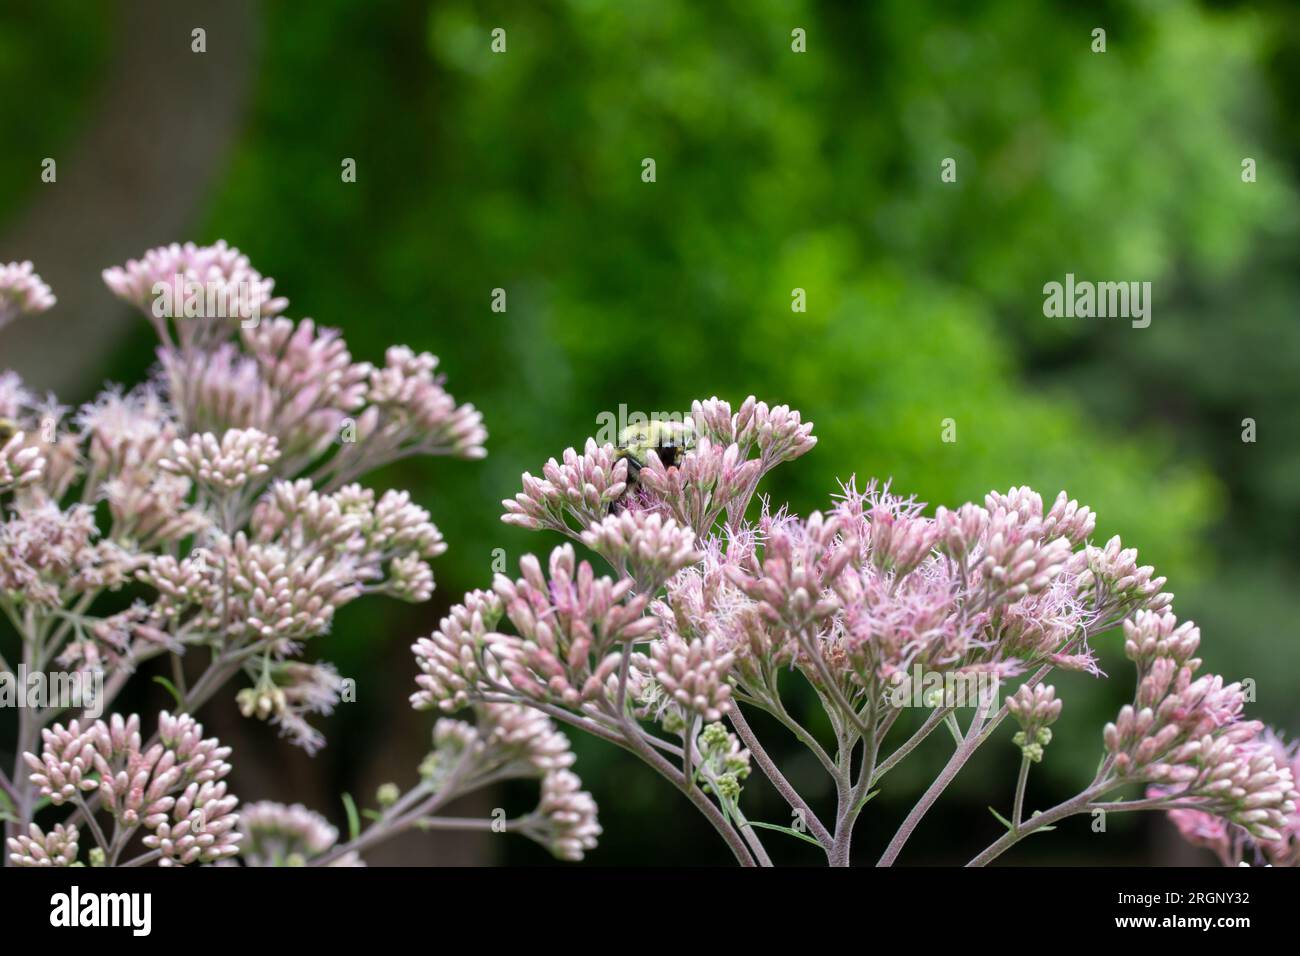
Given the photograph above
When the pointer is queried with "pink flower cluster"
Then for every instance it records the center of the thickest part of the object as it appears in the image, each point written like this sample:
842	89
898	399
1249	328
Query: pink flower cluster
248	367
280	835
862	595
38	848
571	628
1232	842
855	597
1185	735
173	789
192	272
227	487
709	609
22	292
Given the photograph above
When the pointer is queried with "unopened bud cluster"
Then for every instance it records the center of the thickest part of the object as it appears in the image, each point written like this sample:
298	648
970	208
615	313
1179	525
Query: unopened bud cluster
1035	709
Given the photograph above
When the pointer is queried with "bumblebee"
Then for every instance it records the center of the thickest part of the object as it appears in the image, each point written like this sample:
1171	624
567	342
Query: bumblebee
8	429
666	440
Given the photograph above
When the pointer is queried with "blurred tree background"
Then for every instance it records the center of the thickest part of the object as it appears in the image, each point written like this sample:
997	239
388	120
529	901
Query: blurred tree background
779	170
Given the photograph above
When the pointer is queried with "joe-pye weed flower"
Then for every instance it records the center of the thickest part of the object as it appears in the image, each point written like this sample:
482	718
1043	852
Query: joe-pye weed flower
227	491
712	607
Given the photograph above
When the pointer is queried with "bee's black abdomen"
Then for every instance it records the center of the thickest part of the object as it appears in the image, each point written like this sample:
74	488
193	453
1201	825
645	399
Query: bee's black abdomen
670	455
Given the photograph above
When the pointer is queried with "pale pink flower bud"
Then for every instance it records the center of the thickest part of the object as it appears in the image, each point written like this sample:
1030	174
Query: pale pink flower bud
201	828
1120	586
409	579
1149	635
713	419
568	627
67	759
960	531
1035	706
781	434
417	413
1070	520
522	740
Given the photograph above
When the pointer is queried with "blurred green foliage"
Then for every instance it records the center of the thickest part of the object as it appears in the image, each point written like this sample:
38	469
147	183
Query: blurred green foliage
819	171
65	43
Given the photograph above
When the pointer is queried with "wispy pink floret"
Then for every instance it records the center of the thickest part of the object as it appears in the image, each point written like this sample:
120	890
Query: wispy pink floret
800	564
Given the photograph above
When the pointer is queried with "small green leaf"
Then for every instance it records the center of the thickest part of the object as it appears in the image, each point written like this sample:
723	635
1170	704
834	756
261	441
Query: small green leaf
1041	829
1001	819
354	820
794	833
171	689
865	801
1007	823
372	814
